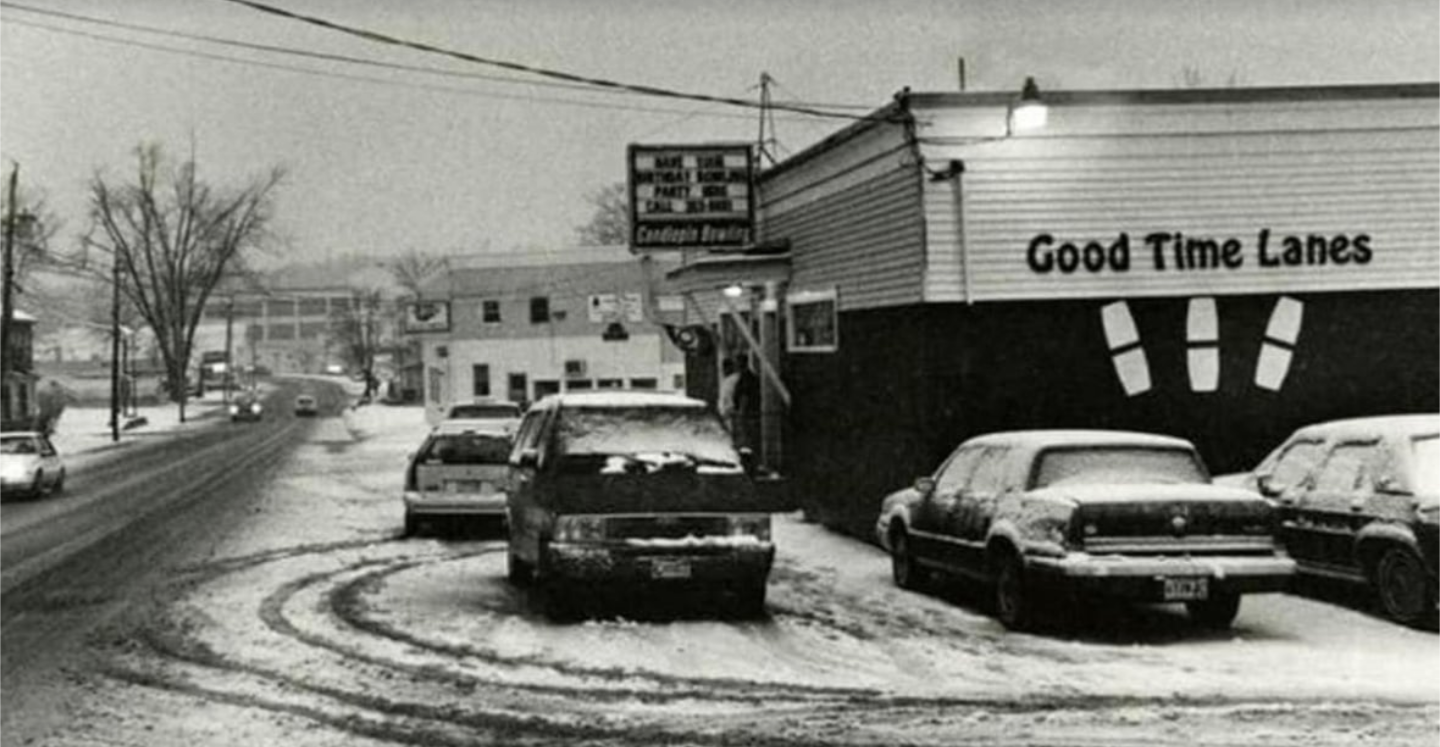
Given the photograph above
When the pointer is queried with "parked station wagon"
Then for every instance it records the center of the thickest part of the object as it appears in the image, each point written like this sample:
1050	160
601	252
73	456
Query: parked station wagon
459	472
1051	516
635	489
1360	501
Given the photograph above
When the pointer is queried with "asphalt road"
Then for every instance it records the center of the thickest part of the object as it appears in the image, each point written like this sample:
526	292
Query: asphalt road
74	561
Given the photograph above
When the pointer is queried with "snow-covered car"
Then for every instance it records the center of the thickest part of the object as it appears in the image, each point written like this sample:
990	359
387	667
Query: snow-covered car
485	413
1359	501
246	407
306	406
1046	517
459	471
30	464
634	489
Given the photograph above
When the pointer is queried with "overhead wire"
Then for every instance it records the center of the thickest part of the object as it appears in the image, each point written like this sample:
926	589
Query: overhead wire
364	78
600	83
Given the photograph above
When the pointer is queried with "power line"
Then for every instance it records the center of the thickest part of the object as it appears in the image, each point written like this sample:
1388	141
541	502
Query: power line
364	78
544	72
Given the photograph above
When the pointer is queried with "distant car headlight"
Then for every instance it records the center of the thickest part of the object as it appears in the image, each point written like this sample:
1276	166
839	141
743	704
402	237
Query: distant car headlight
255	408
579	529
234	409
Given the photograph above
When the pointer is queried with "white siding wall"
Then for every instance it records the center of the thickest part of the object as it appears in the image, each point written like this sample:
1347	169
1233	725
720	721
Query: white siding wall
854	221
1207	170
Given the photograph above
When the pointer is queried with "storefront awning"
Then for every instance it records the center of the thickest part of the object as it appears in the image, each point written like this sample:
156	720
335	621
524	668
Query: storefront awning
720	270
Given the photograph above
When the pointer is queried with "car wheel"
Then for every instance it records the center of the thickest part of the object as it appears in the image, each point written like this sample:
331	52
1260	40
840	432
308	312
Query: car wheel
1404	588
907	573
1014	605
519	572
1217	612
59	482
412	525
37	486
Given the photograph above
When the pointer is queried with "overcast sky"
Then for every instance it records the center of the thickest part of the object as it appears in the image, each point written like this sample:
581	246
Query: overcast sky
383	160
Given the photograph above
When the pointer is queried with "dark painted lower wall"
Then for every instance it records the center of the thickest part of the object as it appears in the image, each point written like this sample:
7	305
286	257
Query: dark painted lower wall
909	383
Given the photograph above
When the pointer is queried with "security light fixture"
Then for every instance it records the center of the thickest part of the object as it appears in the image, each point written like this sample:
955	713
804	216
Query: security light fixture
1029	113
733	291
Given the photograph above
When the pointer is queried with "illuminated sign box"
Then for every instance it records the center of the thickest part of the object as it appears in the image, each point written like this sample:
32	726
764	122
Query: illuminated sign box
691	196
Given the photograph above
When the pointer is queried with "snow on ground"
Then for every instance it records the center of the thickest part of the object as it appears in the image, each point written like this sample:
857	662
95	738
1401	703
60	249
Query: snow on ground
318	609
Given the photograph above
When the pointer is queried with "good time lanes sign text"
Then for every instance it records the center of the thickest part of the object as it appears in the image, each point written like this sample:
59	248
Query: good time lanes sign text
1176	252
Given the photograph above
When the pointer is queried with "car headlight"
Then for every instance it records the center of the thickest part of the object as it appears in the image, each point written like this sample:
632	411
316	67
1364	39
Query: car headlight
751	525
234	409
255	408
579	529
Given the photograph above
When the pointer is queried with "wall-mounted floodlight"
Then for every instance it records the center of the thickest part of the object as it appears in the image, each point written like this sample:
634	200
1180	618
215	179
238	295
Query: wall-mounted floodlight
1029	113
733	291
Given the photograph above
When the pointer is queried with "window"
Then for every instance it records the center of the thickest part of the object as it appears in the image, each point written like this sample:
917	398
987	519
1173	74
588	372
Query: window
1292	466
312	307
490	312
466	448
539	309
1114	465
814	325
1344	471
518	388
610	384
956	473
480	376
280	332
314	330
546	387
988	476
579	385
280	308
645	383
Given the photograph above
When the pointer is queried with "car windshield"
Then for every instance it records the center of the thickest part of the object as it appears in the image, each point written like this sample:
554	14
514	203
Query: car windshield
467	448
468	412
688	433
1118	464
18	445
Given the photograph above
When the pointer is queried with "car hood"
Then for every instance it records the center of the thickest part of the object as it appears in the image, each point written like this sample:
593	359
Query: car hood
1143	492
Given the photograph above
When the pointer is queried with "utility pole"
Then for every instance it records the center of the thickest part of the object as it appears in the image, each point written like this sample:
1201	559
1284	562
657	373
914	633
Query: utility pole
229	359
115	348
767	116
8	302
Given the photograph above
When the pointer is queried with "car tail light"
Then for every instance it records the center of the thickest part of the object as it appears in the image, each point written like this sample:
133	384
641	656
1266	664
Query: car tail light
579	529
751	525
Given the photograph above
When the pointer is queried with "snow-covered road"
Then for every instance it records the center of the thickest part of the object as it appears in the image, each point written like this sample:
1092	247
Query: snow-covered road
315	623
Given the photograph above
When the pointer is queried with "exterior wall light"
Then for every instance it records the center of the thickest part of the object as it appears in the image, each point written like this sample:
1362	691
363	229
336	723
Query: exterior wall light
733	291
1029	113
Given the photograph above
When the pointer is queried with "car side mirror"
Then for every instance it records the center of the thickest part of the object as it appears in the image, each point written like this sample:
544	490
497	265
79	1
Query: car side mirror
1263	484
924	485
527	459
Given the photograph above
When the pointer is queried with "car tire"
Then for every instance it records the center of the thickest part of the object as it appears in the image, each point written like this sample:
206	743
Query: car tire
518	571
903	569
1215	613
59	482
412	525
1405	590
1014	604
37	486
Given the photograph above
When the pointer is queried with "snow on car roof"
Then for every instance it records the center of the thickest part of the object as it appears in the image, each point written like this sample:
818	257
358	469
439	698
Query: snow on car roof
1079	437
620	399
1375	425
484	427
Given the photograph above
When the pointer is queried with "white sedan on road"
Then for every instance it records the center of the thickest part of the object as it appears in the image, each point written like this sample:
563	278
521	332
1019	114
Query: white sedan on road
30	464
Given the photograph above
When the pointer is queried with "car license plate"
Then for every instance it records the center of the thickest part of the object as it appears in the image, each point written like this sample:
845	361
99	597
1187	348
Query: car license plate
1186	589
669	568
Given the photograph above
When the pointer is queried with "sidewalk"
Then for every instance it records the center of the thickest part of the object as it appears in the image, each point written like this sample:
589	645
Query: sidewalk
83	434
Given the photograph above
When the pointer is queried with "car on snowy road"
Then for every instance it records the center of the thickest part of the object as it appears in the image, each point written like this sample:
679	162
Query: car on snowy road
247	408
29	464
634	489
306	406
1050	517
1359	501
459	472
485	413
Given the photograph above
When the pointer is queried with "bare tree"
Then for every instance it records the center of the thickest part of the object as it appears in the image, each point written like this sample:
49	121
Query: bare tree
172	238
414	268
356	329
610	223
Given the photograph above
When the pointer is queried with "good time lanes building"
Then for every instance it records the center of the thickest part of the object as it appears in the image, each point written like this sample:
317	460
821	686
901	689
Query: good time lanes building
1223	265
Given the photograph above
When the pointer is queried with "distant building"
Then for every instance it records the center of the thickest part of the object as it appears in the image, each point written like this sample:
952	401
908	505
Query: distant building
18	405
519	326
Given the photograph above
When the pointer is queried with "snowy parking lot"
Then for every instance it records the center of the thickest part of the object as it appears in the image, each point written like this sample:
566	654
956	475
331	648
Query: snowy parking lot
315	622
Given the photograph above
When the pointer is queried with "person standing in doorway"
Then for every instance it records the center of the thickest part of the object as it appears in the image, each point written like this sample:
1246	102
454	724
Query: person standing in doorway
746	404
